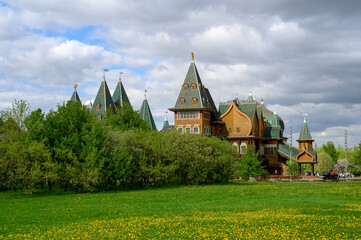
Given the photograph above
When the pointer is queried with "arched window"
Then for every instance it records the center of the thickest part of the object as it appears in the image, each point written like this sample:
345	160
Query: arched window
194	101
98	107
193	86
99	117
182	101
185	86
243	148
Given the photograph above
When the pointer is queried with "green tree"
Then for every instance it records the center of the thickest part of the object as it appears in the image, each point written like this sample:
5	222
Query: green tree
125	118
330	149
34	124
13	118
357	155
293	170
325	163
249	165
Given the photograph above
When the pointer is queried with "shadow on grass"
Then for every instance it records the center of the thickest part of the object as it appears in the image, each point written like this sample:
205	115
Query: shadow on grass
57	191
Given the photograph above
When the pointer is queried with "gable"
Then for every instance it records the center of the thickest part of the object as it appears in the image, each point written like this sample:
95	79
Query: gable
236	122
304	157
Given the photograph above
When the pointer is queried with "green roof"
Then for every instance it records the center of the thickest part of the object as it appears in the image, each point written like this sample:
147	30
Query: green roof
272	132
198	92
104	99
120	97
250	97
305	132
275	120
165	124
287	150
75	97
146	114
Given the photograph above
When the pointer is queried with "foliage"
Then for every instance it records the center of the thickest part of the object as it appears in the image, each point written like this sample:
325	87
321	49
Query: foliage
139	158
77	152
330	149
293	169
25	166
325	163
354	169
34	124
357	155
125	118
249	165
13	119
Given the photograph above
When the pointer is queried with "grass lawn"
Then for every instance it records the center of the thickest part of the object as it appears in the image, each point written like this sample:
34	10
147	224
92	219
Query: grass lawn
265	210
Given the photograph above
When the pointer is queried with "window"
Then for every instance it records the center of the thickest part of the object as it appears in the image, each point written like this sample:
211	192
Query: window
243	148
182	101
188	130
185	87
180	130
194	101
188	115
99	117
196	130
98	107
230	129
193	86
237	129
206	116
270	150
111	107
206	131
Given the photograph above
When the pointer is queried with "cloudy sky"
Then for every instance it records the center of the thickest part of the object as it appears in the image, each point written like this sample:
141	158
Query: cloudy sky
302	57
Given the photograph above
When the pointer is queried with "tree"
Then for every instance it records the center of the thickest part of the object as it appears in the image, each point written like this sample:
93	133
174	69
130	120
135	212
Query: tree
357	155
34	124
325	163
125	118
249	165
293	169
330	149
15	116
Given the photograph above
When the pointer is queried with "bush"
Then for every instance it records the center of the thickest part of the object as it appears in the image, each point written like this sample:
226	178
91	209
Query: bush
293	170
142	157
250	166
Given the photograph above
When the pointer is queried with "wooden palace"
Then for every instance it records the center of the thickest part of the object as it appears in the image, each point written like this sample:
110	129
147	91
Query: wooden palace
243	123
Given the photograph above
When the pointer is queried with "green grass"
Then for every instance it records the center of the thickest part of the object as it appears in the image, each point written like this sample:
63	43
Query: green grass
266	210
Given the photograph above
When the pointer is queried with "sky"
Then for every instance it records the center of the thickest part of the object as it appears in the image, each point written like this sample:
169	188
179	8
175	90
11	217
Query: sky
301	57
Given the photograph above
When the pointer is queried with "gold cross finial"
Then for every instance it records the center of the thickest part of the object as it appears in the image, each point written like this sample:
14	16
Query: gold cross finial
192	56
75	86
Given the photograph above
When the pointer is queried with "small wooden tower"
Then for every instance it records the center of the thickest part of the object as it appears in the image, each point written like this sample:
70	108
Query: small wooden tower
305	140
194	107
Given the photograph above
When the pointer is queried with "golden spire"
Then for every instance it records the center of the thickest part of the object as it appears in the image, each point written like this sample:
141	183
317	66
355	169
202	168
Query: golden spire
192	56
75	86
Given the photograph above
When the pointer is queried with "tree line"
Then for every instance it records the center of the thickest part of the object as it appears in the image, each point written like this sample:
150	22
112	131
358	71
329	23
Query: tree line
69	149
331	158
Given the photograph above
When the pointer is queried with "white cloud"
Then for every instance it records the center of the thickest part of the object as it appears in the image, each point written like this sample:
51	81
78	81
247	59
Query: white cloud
296	57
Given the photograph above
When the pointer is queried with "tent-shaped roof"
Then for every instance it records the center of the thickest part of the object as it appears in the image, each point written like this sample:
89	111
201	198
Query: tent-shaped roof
120	97
75	97
104	99
193	93
305	132
146	114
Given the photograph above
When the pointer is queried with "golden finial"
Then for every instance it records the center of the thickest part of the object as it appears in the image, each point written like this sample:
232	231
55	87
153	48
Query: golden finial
75	86
192	56
262	99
